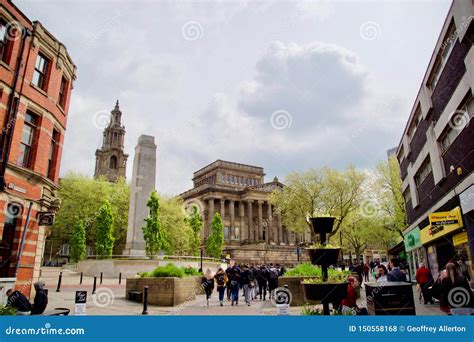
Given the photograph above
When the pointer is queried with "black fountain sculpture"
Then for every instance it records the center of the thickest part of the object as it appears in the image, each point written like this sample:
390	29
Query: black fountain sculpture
324	256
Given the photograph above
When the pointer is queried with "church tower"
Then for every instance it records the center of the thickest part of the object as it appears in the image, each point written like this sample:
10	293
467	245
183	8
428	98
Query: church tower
110	160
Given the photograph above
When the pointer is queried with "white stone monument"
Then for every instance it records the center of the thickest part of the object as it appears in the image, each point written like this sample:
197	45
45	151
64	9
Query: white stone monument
143	184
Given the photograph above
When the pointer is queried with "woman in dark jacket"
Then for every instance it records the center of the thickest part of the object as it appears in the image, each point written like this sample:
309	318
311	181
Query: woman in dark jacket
208	284
221	280
455	290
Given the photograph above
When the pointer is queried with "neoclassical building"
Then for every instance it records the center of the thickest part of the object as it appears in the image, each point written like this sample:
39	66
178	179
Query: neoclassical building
241	196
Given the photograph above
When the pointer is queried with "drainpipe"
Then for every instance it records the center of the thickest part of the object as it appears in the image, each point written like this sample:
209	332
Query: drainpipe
23	236
12	110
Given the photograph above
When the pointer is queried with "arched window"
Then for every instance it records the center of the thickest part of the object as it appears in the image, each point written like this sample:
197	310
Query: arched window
113	162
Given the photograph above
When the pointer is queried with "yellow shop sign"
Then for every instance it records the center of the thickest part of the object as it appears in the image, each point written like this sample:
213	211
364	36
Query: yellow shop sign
441	223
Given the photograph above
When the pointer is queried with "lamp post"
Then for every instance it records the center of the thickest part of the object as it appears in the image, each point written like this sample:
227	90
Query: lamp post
202	252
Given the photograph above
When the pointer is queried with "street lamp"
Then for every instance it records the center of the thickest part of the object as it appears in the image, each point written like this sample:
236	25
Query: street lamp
202	252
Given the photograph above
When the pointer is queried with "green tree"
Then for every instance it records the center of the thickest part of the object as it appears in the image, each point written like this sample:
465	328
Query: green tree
387	188
215	242
318	192
152	233
104	233
176	231
78	242
81	197
195	223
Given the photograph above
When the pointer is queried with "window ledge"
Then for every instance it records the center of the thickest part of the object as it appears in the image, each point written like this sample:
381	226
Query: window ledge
61	109
39	89
6	66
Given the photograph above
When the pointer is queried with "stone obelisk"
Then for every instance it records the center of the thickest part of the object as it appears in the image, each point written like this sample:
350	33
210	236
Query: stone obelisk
143	184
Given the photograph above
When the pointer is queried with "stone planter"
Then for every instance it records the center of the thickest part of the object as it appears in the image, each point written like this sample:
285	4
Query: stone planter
170	291
296	289
324	256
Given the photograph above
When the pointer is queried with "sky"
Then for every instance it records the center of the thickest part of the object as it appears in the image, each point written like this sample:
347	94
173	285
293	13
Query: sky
285	85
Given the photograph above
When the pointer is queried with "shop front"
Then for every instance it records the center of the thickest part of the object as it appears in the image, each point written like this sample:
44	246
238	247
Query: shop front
444	239
416	253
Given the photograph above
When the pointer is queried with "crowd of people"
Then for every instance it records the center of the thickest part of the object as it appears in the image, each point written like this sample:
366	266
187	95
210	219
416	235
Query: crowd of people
256	282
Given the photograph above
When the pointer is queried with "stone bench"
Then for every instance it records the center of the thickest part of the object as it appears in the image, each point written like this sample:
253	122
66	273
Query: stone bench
136	296
56	312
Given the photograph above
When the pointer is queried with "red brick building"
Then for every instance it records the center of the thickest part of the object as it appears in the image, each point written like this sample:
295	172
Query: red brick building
36	77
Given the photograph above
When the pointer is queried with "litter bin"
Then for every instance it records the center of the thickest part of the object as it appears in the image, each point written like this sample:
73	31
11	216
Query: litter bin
390	298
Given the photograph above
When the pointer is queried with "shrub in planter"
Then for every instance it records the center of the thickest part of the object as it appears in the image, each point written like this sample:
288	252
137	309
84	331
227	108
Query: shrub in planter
324	256
170	270
7	311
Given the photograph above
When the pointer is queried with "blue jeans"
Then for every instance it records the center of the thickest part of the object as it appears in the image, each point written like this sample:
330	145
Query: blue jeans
234	293
221	290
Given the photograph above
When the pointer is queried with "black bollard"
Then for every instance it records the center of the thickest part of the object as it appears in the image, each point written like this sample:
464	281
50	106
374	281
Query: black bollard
58	289
120	278
101	278
145	300
80	280
95	285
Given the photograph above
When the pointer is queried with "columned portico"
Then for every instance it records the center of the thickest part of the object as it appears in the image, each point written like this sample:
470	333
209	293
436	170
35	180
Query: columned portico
238	192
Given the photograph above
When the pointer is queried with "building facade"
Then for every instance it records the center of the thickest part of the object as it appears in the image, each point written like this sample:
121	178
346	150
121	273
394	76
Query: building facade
110	159
36	78
252	230
436	152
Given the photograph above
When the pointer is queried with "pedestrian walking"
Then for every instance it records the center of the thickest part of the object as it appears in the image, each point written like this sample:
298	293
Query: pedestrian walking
366	269
273	280
382	274
208	284
453	285
262	281
234	280
396	274
424	279
245	283
220	279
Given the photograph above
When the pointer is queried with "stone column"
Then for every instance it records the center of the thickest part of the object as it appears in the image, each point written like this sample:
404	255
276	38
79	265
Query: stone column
222	212
280	228
260	221
211	216
242	221
232	217
143	184
269	236
250	219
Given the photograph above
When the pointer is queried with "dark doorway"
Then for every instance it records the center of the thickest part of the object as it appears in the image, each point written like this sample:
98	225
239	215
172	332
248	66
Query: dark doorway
8	236
445	253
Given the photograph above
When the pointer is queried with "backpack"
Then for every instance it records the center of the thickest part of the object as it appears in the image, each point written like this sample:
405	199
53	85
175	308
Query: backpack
220	280
273	274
